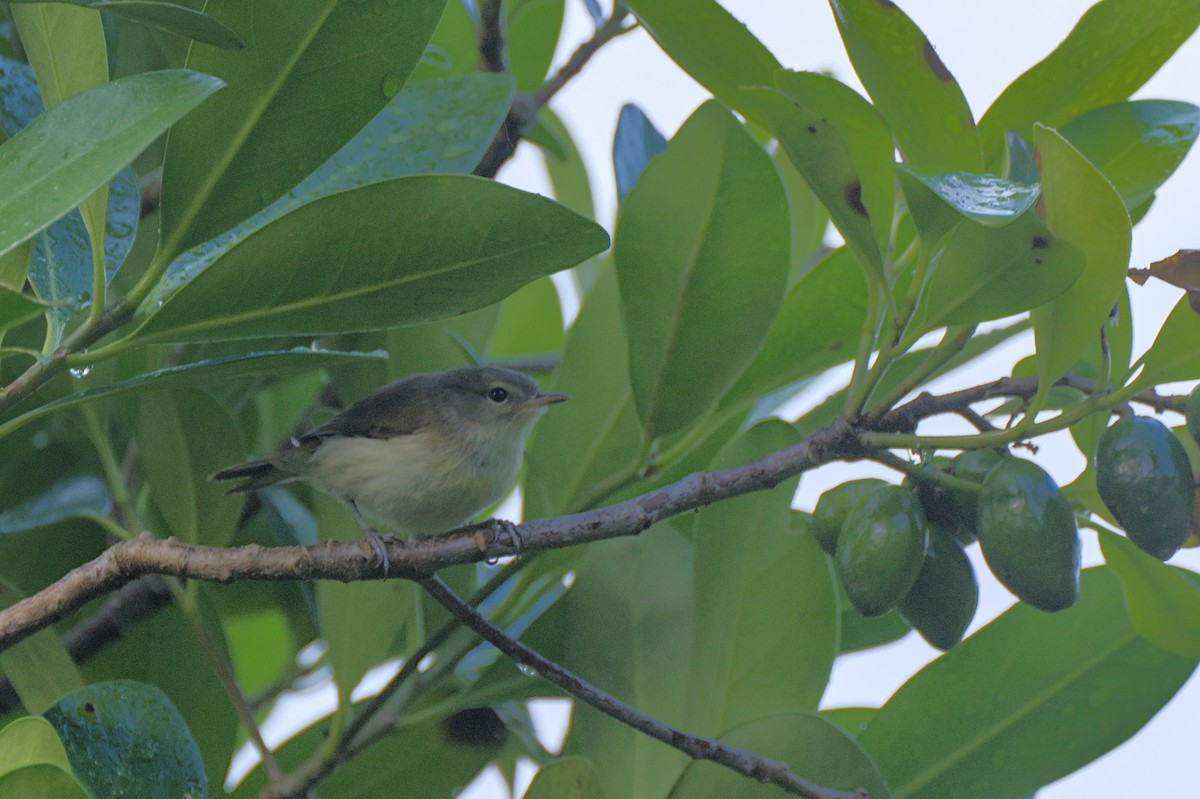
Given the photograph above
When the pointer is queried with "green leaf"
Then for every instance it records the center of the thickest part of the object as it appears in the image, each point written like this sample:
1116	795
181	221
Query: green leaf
986	273
627	625
635	143
1047	693
823	158
566	169
358	620
809	218
66	49
1136	144
270	128
806	338
697	211
453	50
851	719
70	497
567	778
1174	355
865	135
462	243
201	373
531	36
125	738
910	85
529	323
1080	207
169	17
596	434
17	308
184	436
765	600
1114	48
986	199
709	44
1164	605
30	740
817	749
42	781
74	148
38	667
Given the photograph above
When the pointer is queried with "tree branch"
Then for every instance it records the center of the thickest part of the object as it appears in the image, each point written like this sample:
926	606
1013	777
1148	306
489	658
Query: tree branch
523	113
416	560
749	764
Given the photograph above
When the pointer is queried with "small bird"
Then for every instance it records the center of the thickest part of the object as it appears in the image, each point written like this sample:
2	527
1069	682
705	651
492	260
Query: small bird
423	454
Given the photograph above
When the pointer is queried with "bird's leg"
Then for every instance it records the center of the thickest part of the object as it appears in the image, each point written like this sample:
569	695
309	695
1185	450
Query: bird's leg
372	537
502	527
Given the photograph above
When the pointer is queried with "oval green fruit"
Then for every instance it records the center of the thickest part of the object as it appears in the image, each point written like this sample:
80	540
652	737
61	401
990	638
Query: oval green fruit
834	506
944	598
1144	477
881	548
973	465
931	494
1191	412
1028	535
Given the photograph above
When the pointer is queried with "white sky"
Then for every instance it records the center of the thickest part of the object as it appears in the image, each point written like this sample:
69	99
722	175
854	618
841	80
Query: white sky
985	45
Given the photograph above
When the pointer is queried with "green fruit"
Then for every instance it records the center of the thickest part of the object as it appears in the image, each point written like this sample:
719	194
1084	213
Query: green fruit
1144	477
880	550
1191	412
932	495
973	465
1028	535
943	600
834	506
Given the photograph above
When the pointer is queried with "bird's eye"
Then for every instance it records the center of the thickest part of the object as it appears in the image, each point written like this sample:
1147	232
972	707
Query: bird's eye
497	394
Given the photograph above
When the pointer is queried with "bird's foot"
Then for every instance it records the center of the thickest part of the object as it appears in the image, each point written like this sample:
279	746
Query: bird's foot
503	528
373	539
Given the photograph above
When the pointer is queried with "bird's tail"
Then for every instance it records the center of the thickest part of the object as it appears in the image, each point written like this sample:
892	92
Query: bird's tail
253	474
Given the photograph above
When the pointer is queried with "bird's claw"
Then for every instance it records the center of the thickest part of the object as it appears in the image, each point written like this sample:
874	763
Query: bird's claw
501	528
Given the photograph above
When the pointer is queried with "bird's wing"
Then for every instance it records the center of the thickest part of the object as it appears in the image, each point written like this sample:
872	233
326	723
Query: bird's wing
395	410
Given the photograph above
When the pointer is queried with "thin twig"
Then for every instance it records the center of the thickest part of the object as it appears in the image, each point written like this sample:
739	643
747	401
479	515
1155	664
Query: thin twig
747	763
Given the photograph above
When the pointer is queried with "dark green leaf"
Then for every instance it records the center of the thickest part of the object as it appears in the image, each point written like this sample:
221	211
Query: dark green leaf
912	88
709	44
596	434
806	338
1174	355
567	778
825	161
866	138
567	170
1080	207
1047	692
74	148
38	667
1164	606
986	199
635	143
453	50
462	243
273	125
165	16
765	599
184	436
627	625
531	36
696	213
126	739
70	496
986	273
1114	48
529	323
17	308
1137	144
811	746
202	373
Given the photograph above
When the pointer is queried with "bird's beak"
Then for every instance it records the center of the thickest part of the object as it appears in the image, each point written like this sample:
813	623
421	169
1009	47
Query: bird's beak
549	398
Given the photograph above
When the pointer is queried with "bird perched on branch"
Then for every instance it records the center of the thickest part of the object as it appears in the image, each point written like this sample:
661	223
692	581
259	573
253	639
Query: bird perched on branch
424	454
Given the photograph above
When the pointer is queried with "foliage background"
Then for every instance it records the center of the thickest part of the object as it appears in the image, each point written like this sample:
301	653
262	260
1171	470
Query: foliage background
985	45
